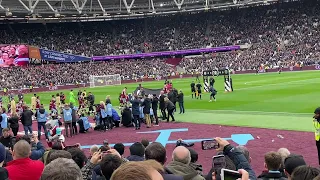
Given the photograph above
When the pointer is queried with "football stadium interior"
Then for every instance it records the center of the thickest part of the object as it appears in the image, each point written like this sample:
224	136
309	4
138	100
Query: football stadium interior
208	89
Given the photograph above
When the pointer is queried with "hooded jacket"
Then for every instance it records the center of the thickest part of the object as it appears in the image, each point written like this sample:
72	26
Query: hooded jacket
184	170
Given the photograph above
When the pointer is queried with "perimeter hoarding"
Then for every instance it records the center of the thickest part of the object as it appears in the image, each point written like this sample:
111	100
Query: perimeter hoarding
168	53
59	57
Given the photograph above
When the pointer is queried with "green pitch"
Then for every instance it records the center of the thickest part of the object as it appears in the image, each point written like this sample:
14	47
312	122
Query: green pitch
270	100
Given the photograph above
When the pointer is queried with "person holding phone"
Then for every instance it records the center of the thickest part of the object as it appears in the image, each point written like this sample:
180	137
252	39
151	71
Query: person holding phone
237	158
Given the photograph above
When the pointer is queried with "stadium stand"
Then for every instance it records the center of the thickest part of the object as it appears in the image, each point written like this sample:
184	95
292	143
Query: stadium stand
281	32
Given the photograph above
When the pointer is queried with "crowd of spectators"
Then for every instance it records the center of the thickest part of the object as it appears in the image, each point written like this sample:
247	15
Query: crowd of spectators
282	34
28	159
61	74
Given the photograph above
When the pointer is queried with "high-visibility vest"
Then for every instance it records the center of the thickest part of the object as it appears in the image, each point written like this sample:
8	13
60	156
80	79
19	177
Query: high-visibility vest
317	130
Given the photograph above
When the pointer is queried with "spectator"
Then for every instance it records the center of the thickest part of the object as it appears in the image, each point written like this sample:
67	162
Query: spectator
291	162
138	171
109	164
3	171
14	123
120	148
136	152
55	154
180	164
284	153
194	159
62	169
272	164
93	149
6	138
22	167
245	152
157	152
26	120
304	173
3	120
78	156
145	142
38	151
236	156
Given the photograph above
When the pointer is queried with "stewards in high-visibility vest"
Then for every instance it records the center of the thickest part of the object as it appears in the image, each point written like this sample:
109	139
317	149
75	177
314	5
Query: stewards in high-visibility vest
316	123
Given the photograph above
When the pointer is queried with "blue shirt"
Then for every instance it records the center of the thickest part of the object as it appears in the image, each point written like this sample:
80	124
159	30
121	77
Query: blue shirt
109	109
4	122
67	115
42	117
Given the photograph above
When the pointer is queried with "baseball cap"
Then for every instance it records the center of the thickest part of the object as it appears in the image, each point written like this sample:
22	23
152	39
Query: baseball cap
317	111
293	161
2	153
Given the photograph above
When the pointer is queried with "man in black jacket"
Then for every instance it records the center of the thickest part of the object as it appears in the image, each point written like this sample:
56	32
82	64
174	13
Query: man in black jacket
154	103
90	100
146	110
162	105
136	111
26	120
181	101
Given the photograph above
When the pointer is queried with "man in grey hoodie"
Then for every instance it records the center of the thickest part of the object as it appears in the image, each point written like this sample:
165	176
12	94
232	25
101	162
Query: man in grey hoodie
180	164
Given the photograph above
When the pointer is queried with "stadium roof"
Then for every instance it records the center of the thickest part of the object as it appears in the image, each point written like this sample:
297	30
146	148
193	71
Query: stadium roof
108	9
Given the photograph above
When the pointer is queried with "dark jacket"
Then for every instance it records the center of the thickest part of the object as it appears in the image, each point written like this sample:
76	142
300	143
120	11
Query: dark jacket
74	114
26	117
154	103
126	117
7	142
135	106
239	160
135	158
3	174
162	104
14	122
171	96
184	170
147	105
37	153
266	175
175	95
90	99
170	105
180	97
168	175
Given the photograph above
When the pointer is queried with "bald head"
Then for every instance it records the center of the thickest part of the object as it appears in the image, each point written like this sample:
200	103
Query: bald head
21	149
181	154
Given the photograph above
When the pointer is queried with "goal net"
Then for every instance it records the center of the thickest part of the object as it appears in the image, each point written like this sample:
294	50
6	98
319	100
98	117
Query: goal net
107	80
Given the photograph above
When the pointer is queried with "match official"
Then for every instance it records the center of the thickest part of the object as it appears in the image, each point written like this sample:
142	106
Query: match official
193	89
316	123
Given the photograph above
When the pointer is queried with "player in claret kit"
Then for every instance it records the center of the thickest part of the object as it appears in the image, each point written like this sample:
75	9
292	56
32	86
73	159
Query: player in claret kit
123	97
38	102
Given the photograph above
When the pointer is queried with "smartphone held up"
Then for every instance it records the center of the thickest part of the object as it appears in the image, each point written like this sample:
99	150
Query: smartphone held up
209	144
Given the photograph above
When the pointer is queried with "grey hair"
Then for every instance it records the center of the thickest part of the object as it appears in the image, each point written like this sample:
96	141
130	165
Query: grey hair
61	169
284	153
